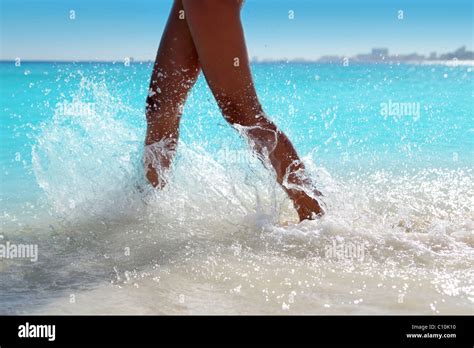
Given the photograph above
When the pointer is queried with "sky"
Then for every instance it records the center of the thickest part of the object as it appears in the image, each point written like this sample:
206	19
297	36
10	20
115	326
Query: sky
115	29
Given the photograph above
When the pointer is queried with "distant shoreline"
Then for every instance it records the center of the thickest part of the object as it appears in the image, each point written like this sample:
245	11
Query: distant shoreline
415	62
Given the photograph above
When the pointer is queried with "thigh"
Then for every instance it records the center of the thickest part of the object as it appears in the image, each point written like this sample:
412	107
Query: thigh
219	40
177	60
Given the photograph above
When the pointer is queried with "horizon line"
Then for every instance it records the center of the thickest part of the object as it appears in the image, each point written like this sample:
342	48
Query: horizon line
258	61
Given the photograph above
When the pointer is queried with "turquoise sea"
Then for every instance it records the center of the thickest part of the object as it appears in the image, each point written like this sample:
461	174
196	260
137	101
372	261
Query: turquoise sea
390	146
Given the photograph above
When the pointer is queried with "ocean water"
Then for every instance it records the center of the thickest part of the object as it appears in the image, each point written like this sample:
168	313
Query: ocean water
390	146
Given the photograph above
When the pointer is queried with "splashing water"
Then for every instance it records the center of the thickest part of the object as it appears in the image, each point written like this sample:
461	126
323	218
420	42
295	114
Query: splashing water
221	236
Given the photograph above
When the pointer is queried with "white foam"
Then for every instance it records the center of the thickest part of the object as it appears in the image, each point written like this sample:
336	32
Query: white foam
392	242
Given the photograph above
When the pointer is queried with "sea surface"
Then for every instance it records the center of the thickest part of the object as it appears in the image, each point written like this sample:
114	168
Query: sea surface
390	146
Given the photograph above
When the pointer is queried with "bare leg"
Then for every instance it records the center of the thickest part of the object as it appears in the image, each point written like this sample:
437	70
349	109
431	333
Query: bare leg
174	73
219	40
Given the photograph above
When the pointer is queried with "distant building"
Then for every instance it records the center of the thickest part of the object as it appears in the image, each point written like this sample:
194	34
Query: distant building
381	53
330	59
412	57
460	54
376	55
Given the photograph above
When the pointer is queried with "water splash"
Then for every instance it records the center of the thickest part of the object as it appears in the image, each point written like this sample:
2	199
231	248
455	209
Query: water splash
222	226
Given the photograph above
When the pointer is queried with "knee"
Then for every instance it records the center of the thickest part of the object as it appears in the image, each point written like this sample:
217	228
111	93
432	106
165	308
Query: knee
237	110
238	115
159	113
232	111
152	104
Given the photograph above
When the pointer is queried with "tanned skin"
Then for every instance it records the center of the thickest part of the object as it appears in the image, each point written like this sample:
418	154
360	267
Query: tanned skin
207	35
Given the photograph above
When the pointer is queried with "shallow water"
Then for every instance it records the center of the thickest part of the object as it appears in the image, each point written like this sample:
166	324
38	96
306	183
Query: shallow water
222	237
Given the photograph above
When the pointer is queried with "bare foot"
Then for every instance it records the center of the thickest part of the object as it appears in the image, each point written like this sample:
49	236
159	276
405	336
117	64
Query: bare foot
301	190
152	176
157	160
308	208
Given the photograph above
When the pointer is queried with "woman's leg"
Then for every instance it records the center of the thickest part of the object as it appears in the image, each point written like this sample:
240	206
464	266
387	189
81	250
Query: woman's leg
174	73
218	36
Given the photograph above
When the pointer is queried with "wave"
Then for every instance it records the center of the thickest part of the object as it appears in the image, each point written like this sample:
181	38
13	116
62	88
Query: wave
223	226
